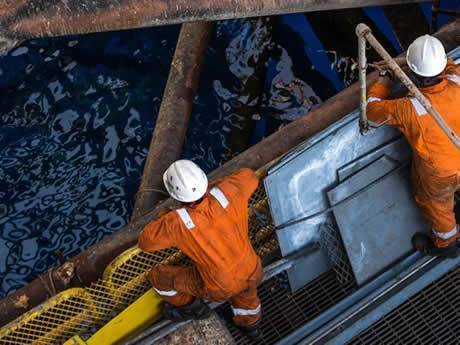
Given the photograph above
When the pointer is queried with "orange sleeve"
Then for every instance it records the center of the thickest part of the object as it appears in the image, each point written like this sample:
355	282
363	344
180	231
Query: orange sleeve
158	234
380	109
452	67
247	181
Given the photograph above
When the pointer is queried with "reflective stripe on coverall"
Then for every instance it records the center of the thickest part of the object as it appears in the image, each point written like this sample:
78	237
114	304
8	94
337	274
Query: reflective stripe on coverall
214	234
436	160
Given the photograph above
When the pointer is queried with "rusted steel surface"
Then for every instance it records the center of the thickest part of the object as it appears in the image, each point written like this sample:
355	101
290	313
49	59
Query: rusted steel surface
209	331
24	19
90	263
174	115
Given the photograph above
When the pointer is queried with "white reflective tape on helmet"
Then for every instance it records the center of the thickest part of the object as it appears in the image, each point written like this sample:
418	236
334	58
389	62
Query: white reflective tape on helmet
183	214
419	108
217	193
445	235
373	99
455	78
245	312
169	293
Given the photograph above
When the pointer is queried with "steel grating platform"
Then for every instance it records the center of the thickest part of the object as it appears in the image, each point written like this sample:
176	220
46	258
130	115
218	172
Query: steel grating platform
430	317
284	312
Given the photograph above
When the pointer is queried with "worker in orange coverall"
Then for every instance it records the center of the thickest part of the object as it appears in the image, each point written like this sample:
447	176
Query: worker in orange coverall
436	160
211	228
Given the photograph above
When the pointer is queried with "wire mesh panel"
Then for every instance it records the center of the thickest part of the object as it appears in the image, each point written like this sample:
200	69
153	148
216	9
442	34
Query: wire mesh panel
430	317
331	243
284	312
56	321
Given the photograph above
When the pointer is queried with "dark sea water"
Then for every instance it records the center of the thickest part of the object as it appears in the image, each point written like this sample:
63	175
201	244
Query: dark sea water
77	114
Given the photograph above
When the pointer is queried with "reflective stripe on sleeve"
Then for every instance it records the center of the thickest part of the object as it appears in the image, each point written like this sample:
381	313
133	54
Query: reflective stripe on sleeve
183	214
166	293
373	99
245	312
445	235
217	193
419	108
454	78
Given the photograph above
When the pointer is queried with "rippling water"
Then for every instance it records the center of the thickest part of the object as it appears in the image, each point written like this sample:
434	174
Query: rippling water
77	115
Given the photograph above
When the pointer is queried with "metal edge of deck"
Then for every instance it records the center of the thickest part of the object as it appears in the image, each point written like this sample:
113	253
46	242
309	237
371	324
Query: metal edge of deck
398	298
349	324
318	325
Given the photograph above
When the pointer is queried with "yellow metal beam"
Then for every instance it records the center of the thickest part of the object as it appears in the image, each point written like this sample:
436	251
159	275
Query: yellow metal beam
133	320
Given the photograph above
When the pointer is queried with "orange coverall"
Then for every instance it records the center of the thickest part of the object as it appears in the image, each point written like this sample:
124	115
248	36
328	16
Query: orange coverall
214	234
436	161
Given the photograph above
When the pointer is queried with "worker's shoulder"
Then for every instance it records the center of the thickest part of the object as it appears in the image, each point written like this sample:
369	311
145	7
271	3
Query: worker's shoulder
239	179
244	174
169	215
181	219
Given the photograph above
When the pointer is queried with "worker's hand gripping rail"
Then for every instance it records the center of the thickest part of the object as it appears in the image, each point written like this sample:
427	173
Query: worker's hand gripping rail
364	34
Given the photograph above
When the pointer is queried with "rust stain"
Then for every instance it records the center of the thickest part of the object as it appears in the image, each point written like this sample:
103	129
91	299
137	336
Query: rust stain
86	16
10	7
75	19
23	19
22	302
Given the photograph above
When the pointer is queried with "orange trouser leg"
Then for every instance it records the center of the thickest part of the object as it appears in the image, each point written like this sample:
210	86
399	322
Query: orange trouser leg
435	196
246	305
176	285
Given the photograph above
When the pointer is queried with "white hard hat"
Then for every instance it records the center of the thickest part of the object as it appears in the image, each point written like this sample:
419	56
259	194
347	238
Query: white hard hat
185	181
426	56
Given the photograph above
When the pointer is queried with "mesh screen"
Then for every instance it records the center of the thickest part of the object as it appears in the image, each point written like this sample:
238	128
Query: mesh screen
284	312
430	317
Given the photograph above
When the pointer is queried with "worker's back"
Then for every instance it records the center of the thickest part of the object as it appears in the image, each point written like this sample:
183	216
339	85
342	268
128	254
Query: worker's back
428	140
218	240
433	150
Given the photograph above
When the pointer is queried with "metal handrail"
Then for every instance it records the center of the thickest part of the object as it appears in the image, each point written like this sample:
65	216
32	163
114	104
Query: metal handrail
364	34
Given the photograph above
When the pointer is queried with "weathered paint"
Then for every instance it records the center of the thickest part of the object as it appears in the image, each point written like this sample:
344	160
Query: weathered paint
24	19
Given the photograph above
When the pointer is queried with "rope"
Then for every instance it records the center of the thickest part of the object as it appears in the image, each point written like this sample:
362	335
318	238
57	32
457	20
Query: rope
51	290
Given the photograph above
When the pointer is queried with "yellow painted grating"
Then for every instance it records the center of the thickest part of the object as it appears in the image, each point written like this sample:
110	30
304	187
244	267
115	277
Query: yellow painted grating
54	321
83	311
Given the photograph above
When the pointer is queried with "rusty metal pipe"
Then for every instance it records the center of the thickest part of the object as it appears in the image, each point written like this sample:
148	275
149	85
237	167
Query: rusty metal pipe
91	263
24	19
362	65
174	115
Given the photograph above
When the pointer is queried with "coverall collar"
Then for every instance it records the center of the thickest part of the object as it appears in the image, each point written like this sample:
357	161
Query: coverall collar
434	88
198	202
